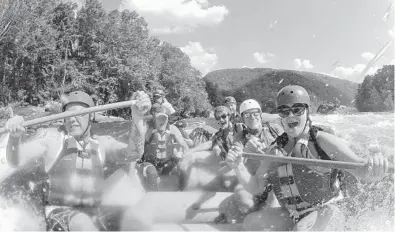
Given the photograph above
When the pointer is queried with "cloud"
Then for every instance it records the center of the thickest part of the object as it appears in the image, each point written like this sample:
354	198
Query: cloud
171	30
302	64
245	66
263	57
297	63
201	59
367	56
176	16
307	64
353	73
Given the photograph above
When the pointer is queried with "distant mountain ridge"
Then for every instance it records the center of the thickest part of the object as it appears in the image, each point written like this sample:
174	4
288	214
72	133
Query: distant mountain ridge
264	83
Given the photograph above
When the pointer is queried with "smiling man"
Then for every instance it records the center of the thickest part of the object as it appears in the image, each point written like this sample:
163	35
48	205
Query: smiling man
258	134
75	161
221	141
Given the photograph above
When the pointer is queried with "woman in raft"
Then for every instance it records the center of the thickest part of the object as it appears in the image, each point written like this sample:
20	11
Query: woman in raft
306	194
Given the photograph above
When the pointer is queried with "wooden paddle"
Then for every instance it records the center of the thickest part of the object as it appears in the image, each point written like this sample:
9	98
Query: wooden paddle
310	162
68	114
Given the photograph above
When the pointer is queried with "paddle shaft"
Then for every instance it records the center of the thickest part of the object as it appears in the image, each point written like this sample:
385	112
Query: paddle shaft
309	162
68	114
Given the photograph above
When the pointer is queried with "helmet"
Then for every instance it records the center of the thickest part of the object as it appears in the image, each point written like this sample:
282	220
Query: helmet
249	104
159	92
221	109
292	94
78	97
230	99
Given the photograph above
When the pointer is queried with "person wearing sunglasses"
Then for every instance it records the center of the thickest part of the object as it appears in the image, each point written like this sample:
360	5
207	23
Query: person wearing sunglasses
307	195
259	133
231	103
220	142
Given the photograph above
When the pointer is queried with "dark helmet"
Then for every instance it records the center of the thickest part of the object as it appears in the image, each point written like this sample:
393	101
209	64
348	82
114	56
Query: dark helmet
292	94
159	93
230	99
78	97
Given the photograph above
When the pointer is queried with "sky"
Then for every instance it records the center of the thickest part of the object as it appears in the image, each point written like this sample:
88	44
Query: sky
335	37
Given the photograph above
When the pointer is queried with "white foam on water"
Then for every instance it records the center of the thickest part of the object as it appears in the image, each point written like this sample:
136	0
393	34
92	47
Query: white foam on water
17	217
368	133
373	204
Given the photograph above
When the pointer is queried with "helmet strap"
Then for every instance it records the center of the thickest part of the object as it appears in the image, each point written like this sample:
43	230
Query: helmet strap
308	121
86	133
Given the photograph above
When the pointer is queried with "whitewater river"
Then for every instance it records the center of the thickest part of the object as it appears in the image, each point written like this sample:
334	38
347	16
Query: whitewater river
371	207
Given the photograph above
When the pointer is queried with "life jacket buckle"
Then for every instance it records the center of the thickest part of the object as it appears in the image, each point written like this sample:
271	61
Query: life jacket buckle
83	154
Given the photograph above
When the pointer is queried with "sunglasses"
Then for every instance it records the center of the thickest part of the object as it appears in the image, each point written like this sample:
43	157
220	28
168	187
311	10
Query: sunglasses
222	116
249	114
297	110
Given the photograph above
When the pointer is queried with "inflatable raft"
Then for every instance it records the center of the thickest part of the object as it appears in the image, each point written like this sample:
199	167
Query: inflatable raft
194	209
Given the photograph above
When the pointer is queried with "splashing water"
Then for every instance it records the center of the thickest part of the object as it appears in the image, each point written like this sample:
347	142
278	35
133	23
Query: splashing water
370	207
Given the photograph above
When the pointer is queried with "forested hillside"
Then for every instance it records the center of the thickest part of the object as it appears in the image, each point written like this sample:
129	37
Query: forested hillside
48	47
263	84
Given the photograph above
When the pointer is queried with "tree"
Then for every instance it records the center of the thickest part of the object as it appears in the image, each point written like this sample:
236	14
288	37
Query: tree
52	48
186	90
376	93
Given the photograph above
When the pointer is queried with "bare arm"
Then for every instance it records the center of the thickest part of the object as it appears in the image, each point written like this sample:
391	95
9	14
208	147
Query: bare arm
137	137
248	181
202	147
123	153
19	154
253	183
169	108
252	175
177	134
338	150
234	160
135	148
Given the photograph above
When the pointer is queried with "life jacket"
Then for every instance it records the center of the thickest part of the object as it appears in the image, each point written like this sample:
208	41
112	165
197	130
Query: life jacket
160	146
224	138
76	177
300	187
268	135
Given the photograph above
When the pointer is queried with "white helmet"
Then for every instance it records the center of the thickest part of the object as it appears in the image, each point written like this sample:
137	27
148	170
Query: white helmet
249	104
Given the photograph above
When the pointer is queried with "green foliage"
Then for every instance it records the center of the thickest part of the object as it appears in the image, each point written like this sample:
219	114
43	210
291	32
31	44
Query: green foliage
186	90
263	84
376	93
52	48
